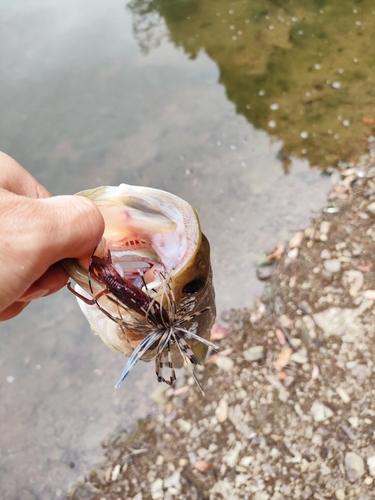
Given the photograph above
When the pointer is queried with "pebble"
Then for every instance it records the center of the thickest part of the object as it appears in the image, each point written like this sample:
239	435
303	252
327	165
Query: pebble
320	412
371	207
343	394
354	466
371	465
255	353
325	254
173	481
340	494
157	489
354	422
324	227
332	265
225	363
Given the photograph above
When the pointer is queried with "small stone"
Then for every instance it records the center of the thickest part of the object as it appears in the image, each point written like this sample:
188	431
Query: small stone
173	481
299	357
324	227
184	425
320	412
343	394
261	495
296	240
255	353
371	207
157	489
138	496
225	363
222	410
116	472
325	254
354	466
361	372
371	465
354	422
340	494
332	265
368	480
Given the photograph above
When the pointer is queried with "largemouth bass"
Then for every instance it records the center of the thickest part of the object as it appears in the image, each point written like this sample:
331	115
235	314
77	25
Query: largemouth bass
147	289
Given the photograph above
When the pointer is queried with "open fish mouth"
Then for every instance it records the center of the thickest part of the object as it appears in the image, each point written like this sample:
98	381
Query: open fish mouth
147	289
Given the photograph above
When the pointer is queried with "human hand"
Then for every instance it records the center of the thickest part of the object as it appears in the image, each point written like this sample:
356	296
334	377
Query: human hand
36	232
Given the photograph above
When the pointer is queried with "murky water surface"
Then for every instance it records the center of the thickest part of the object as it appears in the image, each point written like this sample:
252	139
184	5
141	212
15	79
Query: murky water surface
226	104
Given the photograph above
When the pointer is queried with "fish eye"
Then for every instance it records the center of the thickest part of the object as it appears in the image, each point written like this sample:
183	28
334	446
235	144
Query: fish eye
194	286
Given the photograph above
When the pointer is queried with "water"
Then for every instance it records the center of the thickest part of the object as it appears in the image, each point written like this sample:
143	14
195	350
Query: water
159	94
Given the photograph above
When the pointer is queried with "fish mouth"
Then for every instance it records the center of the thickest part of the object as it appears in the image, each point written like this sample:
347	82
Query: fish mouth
147	232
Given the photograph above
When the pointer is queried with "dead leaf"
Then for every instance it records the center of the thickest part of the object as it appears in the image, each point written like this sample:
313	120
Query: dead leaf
222	410
283	358
214	357
218	332
203	466
276	253
368	120
181	390
280	337
296	240
365	267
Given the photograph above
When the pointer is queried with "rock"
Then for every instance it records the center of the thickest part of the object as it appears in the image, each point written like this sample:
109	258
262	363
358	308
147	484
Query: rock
371	207
225	363
340	494
361	372
157	489
138	496
354	466
296	240
184	425
325	254
371	465
338	321
324	227
354	279
261	495
222	410
343	394
332	265
320	412
85	491
173	481
255	353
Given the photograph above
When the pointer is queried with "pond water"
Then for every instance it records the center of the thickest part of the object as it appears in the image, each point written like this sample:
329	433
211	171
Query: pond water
226	104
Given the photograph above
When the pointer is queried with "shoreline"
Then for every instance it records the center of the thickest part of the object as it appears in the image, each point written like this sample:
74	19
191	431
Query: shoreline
290	412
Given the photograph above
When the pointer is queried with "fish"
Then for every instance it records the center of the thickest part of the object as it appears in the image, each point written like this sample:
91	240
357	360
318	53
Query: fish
147	289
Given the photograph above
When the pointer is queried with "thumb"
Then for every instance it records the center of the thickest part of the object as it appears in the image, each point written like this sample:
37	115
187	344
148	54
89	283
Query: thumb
70	226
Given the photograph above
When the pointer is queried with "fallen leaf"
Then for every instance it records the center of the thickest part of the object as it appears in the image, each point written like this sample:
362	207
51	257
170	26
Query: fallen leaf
218	332
368	120
203	466
365	267
296	240
276	253
180	390
214	357
283	358
280	337
222	410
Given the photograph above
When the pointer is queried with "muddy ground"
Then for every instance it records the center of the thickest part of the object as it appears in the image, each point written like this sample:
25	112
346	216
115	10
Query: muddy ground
289	410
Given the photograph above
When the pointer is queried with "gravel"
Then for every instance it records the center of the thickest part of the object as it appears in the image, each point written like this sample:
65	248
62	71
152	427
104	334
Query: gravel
289	410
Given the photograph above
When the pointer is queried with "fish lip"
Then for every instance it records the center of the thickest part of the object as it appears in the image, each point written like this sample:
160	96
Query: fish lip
137	208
